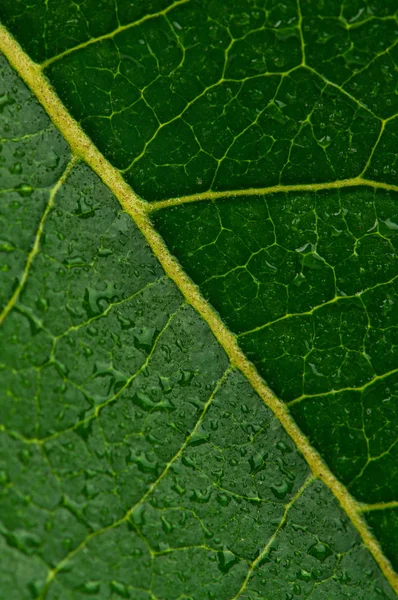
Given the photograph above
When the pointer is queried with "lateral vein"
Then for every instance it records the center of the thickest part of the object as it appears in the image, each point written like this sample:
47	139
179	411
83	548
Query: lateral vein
36	244
338	184
111	34
84	148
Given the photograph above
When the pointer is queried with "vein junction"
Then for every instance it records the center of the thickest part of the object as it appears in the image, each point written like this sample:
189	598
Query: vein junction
290	114
136	208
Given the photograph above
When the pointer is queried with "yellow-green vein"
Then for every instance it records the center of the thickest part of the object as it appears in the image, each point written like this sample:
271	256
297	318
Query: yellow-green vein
36	244
82	146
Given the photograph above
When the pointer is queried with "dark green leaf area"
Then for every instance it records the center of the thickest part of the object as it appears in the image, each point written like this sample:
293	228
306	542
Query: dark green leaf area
32	157
384	165
46	29
356	52
184	104
308	283
384	525
221	95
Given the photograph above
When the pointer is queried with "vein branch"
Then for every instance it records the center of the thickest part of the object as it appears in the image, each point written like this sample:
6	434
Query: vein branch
36	244
271	540
83	147
53	573
111	34
273	189
378	506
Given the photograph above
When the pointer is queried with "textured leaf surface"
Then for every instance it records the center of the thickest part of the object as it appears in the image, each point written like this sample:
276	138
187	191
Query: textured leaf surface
137	462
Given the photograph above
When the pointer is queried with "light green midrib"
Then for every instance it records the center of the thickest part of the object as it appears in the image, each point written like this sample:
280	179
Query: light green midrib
83	147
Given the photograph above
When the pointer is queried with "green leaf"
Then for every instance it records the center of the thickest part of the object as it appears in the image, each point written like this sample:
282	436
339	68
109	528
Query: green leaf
142	455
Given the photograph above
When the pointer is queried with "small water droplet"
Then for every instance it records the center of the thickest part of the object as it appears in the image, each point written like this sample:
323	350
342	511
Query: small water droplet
6	246
120	588
166	526
283	447
304	575
319	551
24	190
186	378
226	560
223	499
91	587
144	339
16	169
297	589
280	489
201	496
6	99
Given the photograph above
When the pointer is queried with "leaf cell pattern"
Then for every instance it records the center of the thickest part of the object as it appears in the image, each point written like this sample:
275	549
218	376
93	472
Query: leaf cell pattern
130	449
210	95
308	282
136	461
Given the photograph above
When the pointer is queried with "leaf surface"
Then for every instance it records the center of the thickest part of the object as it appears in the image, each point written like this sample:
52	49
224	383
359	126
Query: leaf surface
138	461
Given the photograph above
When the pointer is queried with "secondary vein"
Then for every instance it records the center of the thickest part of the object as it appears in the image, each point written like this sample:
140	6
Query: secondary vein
338	184
36	244
111	34
83	147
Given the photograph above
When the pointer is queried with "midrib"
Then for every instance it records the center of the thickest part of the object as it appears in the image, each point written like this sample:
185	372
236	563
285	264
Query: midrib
83	148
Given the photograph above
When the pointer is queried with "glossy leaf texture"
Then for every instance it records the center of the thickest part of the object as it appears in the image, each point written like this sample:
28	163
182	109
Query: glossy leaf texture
136	461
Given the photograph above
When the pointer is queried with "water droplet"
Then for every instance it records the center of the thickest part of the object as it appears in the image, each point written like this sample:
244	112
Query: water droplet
223	499
201	496
257	462
85	210
165	384
24	456
16	169
97	300
74	261
214	427
280	489
226	560
104	252
138	515
283	447
343	577
177	488
6	246
186	378
42	304
24	190
320	551
91	587
144	339
166	526
297	589
304	575
4	100
144	463
120	589
124	323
